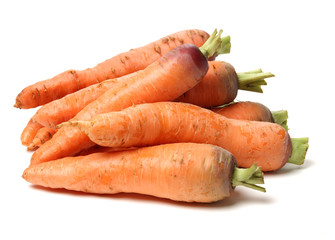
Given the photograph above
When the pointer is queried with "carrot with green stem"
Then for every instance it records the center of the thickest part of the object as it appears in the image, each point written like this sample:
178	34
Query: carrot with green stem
221	84
252	111
61	110
122	64
266	144
169	77
186	172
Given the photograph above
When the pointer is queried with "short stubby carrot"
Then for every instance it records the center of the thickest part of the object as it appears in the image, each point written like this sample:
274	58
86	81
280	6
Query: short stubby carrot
29	132
186	172
164	80
266	144
253	111
70	81
221	84
43	134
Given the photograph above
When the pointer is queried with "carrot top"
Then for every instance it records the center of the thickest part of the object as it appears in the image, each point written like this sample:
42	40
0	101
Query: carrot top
299	150
216	45
253	80
280	117
248	177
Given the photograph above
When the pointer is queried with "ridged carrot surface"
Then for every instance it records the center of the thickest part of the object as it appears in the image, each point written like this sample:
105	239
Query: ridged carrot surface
70	81
181	172
266	144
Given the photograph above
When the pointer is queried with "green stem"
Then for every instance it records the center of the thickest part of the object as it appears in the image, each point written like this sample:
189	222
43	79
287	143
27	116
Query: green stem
215	45
225	45
248	177
280	117
253	80
299	150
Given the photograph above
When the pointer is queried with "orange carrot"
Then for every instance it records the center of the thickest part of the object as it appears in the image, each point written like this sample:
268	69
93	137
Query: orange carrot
164	80
245	111
186	172
70	81
65	108
252	111
218	87
221	84
266	144
29	132
43	134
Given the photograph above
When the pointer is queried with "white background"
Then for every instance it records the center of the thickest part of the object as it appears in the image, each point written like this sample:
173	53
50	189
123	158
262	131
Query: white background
293	39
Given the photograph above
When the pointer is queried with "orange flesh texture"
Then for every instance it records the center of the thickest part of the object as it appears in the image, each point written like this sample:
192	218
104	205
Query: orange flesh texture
218	87
70	81
182	172
266	144
252	111
164	80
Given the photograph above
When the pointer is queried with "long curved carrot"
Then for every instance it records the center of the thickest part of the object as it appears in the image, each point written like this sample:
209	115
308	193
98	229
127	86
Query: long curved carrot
63	109
186	172
43	134
29	132
264	143
252	111
136	59
164	80
221	84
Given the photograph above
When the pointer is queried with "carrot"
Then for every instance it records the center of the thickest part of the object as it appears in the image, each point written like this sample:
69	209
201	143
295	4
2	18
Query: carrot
122	64
252	111
29	132
266	144
65	108
43	134
186	172
164	80
221	84
61	110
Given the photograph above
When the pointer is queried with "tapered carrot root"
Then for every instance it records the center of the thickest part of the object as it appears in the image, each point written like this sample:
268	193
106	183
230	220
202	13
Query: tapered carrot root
44	134
266	144
29	132
173	74
134	60
182	172
221	84
65	108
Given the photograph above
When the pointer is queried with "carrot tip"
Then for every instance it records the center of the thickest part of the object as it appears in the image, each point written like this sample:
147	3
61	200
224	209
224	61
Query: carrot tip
249	177
299	150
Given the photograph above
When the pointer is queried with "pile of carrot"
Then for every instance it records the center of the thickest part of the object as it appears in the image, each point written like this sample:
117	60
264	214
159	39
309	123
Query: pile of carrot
160	120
